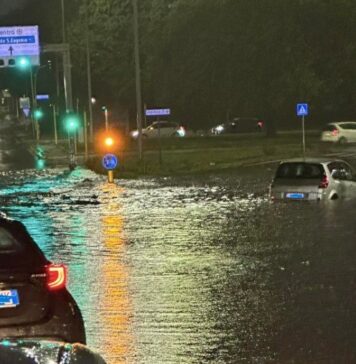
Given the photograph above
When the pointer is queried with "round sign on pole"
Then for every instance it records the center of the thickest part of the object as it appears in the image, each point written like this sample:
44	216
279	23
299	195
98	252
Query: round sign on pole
110	161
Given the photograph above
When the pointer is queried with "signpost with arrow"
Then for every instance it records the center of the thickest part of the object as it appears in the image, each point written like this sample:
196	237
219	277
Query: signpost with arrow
19	41
303	110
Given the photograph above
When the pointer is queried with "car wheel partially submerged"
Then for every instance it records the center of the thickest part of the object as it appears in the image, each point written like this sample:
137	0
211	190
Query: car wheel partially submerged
342	141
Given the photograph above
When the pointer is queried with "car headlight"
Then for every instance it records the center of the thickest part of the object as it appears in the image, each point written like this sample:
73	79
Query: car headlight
134	133
181	132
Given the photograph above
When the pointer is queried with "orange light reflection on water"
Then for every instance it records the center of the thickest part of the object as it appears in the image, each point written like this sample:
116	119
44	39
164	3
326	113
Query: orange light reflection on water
115	307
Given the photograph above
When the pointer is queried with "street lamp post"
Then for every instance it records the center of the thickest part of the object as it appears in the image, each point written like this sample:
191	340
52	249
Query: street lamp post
90	106
106	113
25	63
138	79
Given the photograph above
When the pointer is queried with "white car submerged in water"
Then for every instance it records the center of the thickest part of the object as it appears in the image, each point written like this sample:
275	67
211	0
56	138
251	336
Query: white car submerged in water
313	179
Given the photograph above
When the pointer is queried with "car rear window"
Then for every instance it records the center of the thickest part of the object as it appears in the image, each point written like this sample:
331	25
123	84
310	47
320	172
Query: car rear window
329	127
17	248
8	243
300	170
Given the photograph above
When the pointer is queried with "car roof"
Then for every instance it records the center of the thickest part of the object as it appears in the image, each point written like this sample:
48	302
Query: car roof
342	122
312	160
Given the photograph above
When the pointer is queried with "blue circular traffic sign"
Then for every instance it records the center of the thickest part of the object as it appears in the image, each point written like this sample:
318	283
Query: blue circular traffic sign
110	161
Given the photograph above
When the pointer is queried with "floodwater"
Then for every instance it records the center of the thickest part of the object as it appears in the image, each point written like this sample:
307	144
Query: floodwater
197	270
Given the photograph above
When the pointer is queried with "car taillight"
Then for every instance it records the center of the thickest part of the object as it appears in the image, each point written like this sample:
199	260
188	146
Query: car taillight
335	132
56	276
324	182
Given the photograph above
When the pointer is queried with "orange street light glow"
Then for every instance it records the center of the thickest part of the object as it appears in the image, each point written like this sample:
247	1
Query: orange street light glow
109	141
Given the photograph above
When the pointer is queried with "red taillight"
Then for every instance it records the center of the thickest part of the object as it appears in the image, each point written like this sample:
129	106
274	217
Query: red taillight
335	132
56	276
324	182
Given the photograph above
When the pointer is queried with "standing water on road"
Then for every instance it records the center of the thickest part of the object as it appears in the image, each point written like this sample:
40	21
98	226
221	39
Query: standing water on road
196	270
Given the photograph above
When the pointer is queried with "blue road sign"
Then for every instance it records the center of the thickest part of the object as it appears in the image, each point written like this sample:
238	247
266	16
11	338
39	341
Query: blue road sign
26	111
302	109
19	41
158	112
42	97
110	161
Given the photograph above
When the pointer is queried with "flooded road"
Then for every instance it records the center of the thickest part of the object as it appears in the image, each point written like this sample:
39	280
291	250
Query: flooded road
197	270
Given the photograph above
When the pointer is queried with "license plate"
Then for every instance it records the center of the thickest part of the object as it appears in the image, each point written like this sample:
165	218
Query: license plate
295	195
9	298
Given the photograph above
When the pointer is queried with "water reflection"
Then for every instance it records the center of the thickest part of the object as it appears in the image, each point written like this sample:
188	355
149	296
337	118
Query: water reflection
114	306
197	271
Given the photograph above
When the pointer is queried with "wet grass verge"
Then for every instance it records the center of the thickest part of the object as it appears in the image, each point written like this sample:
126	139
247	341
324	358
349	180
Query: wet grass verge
197	155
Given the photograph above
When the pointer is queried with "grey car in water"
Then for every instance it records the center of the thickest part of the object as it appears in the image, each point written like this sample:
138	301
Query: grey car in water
313	179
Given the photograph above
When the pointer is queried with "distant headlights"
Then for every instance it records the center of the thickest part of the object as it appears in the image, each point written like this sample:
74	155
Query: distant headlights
219	128
134	133
181	131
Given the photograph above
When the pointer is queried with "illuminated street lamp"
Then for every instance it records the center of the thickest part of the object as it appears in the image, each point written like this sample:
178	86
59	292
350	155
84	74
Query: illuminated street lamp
109	141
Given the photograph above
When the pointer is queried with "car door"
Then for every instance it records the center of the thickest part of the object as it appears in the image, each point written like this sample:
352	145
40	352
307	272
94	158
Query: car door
348	179
352	131
337	179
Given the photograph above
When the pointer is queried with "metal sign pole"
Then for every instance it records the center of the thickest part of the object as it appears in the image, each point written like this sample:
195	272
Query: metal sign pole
303	110
55	124
86	136
159	144
303	130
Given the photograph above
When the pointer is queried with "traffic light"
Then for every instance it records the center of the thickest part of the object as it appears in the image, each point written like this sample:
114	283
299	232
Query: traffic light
38	114
23	62
71	122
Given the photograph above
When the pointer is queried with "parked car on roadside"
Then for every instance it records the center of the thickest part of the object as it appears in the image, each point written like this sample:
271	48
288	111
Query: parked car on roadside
313	179
161	129
239	125
339	132
34	301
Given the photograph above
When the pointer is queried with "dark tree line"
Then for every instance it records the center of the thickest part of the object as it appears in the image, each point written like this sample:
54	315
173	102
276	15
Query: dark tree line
211	60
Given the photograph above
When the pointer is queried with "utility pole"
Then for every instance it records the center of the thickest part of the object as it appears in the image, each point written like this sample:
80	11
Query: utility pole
138	79
90	106
63	23
66	65
67	75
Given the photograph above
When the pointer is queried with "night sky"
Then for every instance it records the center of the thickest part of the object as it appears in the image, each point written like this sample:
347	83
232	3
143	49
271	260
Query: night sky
8	5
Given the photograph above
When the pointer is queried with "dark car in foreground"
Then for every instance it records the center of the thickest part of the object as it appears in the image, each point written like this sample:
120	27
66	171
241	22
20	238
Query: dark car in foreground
34	301
313	179
46	352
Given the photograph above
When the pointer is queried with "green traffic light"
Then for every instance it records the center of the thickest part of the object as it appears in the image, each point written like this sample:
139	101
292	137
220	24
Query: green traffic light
38	114
71	123
24	62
